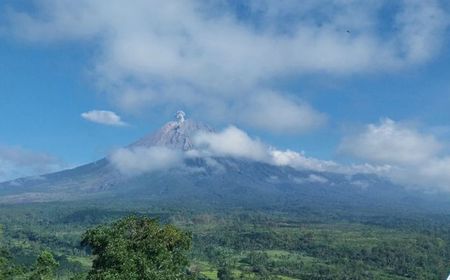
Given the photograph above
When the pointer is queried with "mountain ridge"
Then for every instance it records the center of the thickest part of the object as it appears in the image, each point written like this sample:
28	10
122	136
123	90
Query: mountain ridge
214	181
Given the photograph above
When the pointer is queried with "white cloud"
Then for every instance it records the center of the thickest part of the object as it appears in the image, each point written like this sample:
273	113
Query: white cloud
103	117
391	142
18	162
415	158
312	178
300	161
231	142
420	23
202	54
277	113
237	143
137	160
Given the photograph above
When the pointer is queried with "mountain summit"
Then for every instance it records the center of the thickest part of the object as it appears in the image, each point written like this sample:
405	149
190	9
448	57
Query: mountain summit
211	181
176	134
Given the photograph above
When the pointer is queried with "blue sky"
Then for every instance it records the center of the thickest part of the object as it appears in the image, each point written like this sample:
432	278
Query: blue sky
321	77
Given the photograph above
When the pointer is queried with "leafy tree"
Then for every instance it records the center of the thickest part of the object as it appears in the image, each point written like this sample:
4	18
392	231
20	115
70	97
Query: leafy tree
138	248
224	273
5	264
8	268
45	266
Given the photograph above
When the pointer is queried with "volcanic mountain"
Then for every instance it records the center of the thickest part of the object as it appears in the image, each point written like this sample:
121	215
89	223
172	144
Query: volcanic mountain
217	181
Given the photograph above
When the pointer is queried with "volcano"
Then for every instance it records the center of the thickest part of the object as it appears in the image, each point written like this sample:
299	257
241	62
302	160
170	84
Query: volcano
214	181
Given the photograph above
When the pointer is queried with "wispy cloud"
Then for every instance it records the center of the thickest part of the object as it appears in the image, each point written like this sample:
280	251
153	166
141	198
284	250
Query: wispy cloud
138	160
204	54
18	162
234	142
103	117
277	113
416	158
393	150
391	142
312	178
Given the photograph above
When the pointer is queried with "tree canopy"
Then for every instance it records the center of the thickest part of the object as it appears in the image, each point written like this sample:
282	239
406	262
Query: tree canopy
45	266
138	248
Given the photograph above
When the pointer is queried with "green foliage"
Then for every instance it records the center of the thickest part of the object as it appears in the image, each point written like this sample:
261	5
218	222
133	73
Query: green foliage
45	266
138	248
224	273
238	243
8	268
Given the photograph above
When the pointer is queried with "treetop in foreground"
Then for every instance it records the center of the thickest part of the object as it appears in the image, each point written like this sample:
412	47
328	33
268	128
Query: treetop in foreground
138	248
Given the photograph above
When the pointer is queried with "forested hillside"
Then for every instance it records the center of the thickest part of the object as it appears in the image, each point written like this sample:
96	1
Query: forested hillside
303	243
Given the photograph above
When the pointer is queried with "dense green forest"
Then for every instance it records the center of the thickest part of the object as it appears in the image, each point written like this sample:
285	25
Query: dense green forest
64	241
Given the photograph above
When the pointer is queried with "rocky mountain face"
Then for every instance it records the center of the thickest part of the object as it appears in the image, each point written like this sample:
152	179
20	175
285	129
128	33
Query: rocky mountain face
175	134
215	182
